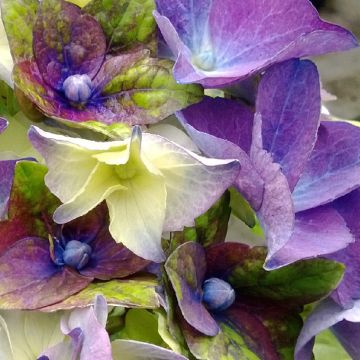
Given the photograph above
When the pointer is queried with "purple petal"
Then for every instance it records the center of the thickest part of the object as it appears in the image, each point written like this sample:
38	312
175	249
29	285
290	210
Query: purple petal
333	169
349	289
218	127
276	213
3	124
289	103
219	41
348	333
110	260
7	168
66	42
186	268
317	232
327	314
30	280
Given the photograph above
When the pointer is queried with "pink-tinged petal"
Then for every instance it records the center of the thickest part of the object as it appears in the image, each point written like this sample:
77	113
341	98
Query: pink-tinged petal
317	232
3	124
333	169
223	129
326	315
276	213
96	341
289	103
349	289
30	280
66	42
186	268
219	41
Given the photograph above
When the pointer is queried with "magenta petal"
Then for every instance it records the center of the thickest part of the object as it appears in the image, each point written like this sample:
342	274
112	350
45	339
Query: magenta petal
317	232
223	129
66	42
30	280
186	268
349	289
333	169
230	39
289	103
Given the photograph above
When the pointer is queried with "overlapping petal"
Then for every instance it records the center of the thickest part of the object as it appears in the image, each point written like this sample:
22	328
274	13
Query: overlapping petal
217	42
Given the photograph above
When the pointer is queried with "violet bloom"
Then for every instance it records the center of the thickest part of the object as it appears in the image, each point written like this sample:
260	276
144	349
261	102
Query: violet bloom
216	42
36	273
223	292
63	65
293	167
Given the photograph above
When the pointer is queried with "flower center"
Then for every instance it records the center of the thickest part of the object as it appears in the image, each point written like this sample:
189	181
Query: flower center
76	254
218	295
205	60
77	88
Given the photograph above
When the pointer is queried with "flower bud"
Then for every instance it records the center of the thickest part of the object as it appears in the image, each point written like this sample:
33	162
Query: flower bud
77	88
76	254
218	295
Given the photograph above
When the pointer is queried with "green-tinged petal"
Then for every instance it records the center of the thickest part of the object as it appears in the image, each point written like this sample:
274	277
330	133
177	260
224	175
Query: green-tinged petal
140	325
5	349
80	3
137	215
6	61
30	333
125	22
210	228
137	292
227	344
19	17
193	183
101	183
328	347
136	350
241	208
8	102
149	87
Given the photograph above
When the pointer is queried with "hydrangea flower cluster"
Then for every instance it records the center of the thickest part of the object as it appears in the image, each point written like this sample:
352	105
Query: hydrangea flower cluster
169	186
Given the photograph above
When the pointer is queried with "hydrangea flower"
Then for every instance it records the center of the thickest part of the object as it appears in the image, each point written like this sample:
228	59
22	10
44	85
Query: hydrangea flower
63	65
216	42
37	272
150	184
223	292
296	166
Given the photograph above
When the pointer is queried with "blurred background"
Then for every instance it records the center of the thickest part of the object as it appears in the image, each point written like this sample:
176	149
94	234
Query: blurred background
340	73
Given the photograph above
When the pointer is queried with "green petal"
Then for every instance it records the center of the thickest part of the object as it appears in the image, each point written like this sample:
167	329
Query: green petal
149	86
136	292
125	22
18	15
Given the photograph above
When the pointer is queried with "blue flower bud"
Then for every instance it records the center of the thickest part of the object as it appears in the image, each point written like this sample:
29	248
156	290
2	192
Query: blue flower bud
218	295
77	88
76	254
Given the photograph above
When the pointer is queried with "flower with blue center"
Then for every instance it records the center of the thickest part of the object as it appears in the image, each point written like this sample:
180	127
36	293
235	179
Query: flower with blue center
223	292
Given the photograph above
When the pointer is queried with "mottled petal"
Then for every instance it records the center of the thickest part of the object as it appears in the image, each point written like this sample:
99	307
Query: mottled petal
289	103
136	350
30	280
7	169
276	213
317	232
217	42
193	183
327	314
66	42
186	268
333	169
